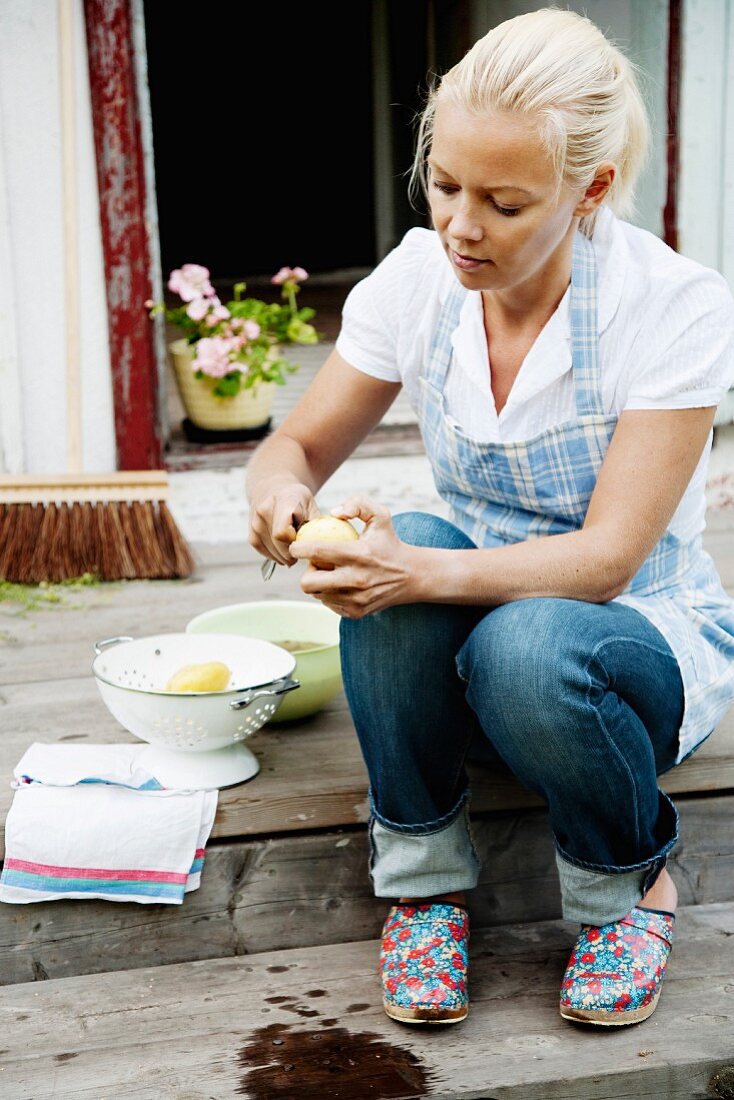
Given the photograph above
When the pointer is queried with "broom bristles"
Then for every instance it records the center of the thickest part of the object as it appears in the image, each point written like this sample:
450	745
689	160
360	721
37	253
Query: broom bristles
113	540
180	558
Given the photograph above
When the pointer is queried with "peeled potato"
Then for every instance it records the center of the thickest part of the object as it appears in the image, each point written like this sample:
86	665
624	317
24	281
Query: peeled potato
326	529
208	676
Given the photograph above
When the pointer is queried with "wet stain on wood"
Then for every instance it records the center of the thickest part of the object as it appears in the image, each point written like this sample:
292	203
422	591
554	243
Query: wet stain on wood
288	1005
281	1063
721	1084
359	1007
277	969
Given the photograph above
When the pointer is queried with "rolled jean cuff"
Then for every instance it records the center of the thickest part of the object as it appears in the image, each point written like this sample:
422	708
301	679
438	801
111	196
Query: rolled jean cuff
597	894
418	861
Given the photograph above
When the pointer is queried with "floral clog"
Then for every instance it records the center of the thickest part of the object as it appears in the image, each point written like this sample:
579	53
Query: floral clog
423	963
615	972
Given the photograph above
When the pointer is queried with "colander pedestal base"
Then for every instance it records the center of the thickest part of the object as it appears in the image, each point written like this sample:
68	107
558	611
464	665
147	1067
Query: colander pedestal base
201	770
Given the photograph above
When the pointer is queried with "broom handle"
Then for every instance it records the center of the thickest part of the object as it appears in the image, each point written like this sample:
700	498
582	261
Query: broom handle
70	238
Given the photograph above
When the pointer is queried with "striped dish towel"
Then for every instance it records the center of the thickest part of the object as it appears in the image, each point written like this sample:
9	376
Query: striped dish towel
88	821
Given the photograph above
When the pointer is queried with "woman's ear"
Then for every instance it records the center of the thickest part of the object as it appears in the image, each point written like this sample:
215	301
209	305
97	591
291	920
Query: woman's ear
597	190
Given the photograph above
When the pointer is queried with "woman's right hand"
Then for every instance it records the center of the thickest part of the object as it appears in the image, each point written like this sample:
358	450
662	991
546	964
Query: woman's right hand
337	411
276	516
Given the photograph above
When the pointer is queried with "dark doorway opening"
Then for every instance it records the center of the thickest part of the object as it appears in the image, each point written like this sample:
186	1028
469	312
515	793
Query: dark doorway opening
263	135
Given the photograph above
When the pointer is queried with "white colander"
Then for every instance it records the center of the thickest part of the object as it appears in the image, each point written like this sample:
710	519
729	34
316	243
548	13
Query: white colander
195	737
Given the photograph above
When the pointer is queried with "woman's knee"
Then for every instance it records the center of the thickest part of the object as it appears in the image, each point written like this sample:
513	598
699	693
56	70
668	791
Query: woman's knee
521	647
523	680
425	529
526	670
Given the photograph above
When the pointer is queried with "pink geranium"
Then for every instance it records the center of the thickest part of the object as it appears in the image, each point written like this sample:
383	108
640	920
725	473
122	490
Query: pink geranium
290	275
191	281
250	330
198	309
237	344
212	355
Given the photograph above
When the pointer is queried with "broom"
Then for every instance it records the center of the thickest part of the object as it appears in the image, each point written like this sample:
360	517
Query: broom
118	525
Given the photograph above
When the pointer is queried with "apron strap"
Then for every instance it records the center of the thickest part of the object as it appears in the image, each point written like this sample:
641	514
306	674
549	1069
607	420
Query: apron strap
439	358
584	330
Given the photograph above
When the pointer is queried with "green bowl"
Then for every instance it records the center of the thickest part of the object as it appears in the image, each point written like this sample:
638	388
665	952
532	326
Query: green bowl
318	669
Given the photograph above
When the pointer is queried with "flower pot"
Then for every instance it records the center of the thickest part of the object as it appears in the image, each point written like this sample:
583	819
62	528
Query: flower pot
247	409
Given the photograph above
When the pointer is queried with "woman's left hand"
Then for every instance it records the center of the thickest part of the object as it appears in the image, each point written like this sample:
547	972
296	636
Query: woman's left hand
358	577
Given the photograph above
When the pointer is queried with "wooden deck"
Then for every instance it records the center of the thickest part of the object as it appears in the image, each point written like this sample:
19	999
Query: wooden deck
305	1025
148	1001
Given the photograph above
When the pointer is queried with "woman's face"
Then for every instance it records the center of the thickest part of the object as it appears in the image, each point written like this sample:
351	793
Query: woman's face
493	198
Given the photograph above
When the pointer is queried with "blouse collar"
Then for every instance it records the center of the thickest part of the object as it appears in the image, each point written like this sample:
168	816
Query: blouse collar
550	356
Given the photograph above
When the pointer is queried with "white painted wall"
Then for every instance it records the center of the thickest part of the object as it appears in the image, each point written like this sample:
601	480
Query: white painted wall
706	181
705	217
32	325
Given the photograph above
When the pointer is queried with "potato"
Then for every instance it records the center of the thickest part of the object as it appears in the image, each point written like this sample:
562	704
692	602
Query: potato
326	529
208	676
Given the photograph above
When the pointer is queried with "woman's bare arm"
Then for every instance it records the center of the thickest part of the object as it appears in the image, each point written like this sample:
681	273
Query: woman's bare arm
341	406
649	464
650	461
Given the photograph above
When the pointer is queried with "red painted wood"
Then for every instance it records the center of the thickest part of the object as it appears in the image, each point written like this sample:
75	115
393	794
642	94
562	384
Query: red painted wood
670	212
122	194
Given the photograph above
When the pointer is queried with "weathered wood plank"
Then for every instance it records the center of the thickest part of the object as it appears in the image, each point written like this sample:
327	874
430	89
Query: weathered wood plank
57	643
325	787
307	890
204	1029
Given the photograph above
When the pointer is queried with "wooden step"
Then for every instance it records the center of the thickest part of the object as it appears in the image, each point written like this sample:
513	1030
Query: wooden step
304	890
312	774
308	1023
287	862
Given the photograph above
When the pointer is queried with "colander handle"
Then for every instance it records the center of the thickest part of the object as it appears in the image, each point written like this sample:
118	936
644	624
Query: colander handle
278	687
99	647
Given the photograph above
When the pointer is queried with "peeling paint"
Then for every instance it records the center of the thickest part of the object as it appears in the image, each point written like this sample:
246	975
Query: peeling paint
124	206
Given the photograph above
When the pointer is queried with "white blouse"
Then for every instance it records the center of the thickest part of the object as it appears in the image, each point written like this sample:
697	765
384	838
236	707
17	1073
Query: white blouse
666	341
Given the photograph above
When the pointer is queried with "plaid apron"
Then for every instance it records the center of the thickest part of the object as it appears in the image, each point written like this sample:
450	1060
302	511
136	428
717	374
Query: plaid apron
502	493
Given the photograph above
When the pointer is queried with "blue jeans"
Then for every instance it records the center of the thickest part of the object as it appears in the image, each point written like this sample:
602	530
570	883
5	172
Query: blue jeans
582	702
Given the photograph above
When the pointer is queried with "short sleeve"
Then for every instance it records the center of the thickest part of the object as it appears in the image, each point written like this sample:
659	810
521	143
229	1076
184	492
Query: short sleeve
685	357
377	305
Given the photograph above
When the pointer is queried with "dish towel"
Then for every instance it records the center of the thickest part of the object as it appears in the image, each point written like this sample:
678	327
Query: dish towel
89	821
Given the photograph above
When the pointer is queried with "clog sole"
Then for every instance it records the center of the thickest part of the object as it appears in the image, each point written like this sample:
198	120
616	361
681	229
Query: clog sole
426	1015
602	1017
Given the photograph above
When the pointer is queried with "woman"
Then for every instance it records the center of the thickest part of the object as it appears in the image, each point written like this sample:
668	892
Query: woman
565	367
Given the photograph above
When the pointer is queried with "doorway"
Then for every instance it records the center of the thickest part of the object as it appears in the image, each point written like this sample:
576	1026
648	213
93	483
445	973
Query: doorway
254	169
301	159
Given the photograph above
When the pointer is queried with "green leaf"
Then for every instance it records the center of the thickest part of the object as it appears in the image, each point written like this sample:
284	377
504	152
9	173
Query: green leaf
229	386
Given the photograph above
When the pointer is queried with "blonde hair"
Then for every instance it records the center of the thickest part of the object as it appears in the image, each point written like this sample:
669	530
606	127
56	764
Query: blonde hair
557	67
